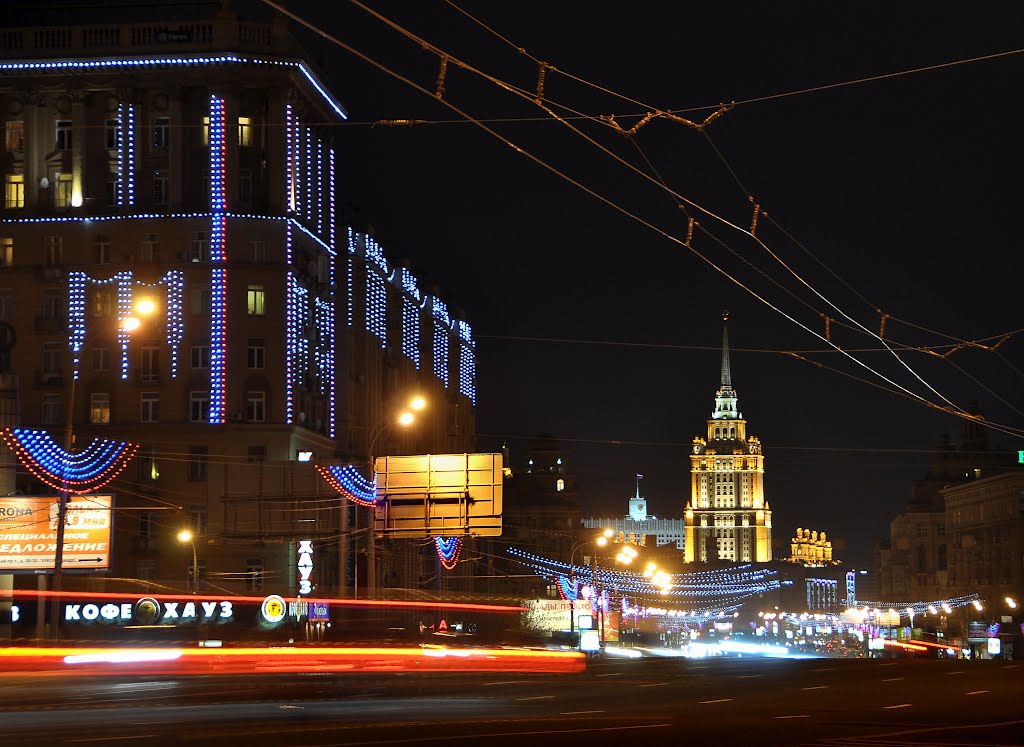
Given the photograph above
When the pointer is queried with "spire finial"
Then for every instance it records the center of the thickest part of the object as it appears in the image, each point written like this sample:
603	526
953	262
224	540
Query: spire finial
726	373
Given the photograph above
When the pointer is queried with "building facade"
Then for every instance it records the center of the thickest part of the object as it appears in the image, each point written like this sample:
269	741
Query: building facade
192	166
727	517
638	525
810	549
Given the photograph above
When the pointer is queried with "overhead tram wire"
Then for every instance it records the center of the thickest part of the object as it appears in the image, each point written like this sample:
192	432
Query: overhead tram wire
579	185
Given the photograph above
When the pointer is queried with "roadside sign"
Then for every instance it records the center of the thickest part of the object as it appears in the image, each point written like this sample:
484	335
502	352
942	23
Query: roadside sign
438	495
28	533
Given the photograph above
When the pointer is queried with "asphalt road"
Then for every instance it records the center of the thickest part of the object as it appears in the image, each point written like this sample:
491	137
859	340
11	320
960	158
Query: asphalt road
721	701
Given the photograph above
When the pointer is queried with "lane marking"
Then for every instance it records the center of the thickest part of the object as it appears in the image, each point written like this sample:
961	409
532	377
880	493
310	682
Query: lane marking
804	715
578	713
893	679
290	708
901	705
977	692
538	697
720	700
818	687
654	684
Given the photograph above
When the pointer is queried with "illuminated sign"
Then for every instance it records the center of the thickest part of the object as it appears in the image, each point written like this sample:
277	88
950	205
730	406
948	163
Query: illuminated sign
1020	457
148	611
28	533
273	609
319	611
304	565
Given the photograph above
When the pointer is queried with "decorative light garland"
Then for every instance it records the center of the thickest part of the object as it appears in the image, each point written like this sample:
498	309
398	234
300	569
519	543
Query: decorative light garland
89	469
448	551
467	361
442	328
218	256
411	305
349	483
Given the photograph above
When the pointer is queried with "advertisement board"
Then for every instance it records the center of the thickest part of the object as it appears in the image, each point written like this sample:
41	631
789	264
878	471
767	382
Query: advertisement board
28	533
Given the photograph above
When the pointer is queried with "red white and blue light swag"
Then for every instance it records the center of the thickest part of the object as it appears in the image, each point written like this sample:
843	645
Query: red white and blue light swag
349	483
89	469
448	550
568	590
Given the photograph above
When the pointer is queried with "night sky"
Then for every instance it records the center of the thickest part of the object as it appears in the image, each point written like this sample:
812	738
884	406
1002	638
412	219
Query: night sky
883	194
900	194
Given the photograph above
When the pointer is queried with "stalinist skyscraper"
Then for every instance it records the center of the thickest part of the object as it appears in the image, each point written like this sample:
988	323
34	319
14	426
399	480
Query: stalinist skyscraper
727	516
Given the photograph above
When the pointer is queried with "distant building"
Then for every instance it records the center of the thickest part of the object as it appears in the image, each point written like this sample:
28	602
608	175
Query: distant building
914	561
727	517
638	525
810	549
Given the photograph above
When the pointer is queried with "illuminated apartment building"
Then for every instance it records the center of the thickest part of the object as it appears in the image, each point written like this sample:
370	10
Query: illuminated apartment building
727	517
193	163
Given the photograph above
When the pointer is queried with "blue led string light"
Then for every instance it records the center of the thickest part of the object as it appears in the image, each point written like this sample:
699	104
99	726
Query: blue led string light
442	327
411	304
90	469
120	155
467	361
76	318
349	483
129	160
448	550
218	257
376	290
289	160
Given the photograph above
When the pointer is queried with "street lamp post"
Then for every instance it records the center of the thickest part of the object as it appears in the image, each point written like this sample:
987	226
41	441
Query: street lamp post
143	307
404	419
186	536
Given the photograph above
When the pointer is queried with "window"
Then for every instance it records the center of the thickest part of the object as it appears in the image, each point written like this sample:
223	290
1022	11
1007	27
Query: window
99	408
101	250
256	251
100	359
50	414
257	352
160	185
51	359
110	128
161	133
149	364
62	190
148	467
245	186
54	249
200	356
206	130
257	454
198	457
149	407
52	305
15	136
256	407
200	251
6	300
151	247
6	252
254	574
254	300
245	131
204	187
63	135
197	519
146	524
560	485
14	191
199	407
200	301
103	301
145	570
110	191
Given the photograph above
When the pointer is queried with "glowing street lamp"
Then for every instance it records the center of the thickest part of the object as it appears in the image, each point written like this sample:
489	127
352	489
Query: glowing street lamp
186	536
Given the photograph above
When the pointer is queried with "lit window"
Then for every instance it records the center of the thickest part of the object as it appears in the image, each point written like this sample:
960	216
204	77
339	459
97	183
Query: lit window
245	131
560	485
14	191
99	408
15	136
254	300
206	130
62	190
6	251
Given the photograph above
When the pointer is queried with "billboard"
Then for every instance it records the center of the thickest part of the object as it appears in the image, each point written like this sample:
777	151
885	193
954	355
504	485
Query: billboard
440	495
28	533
